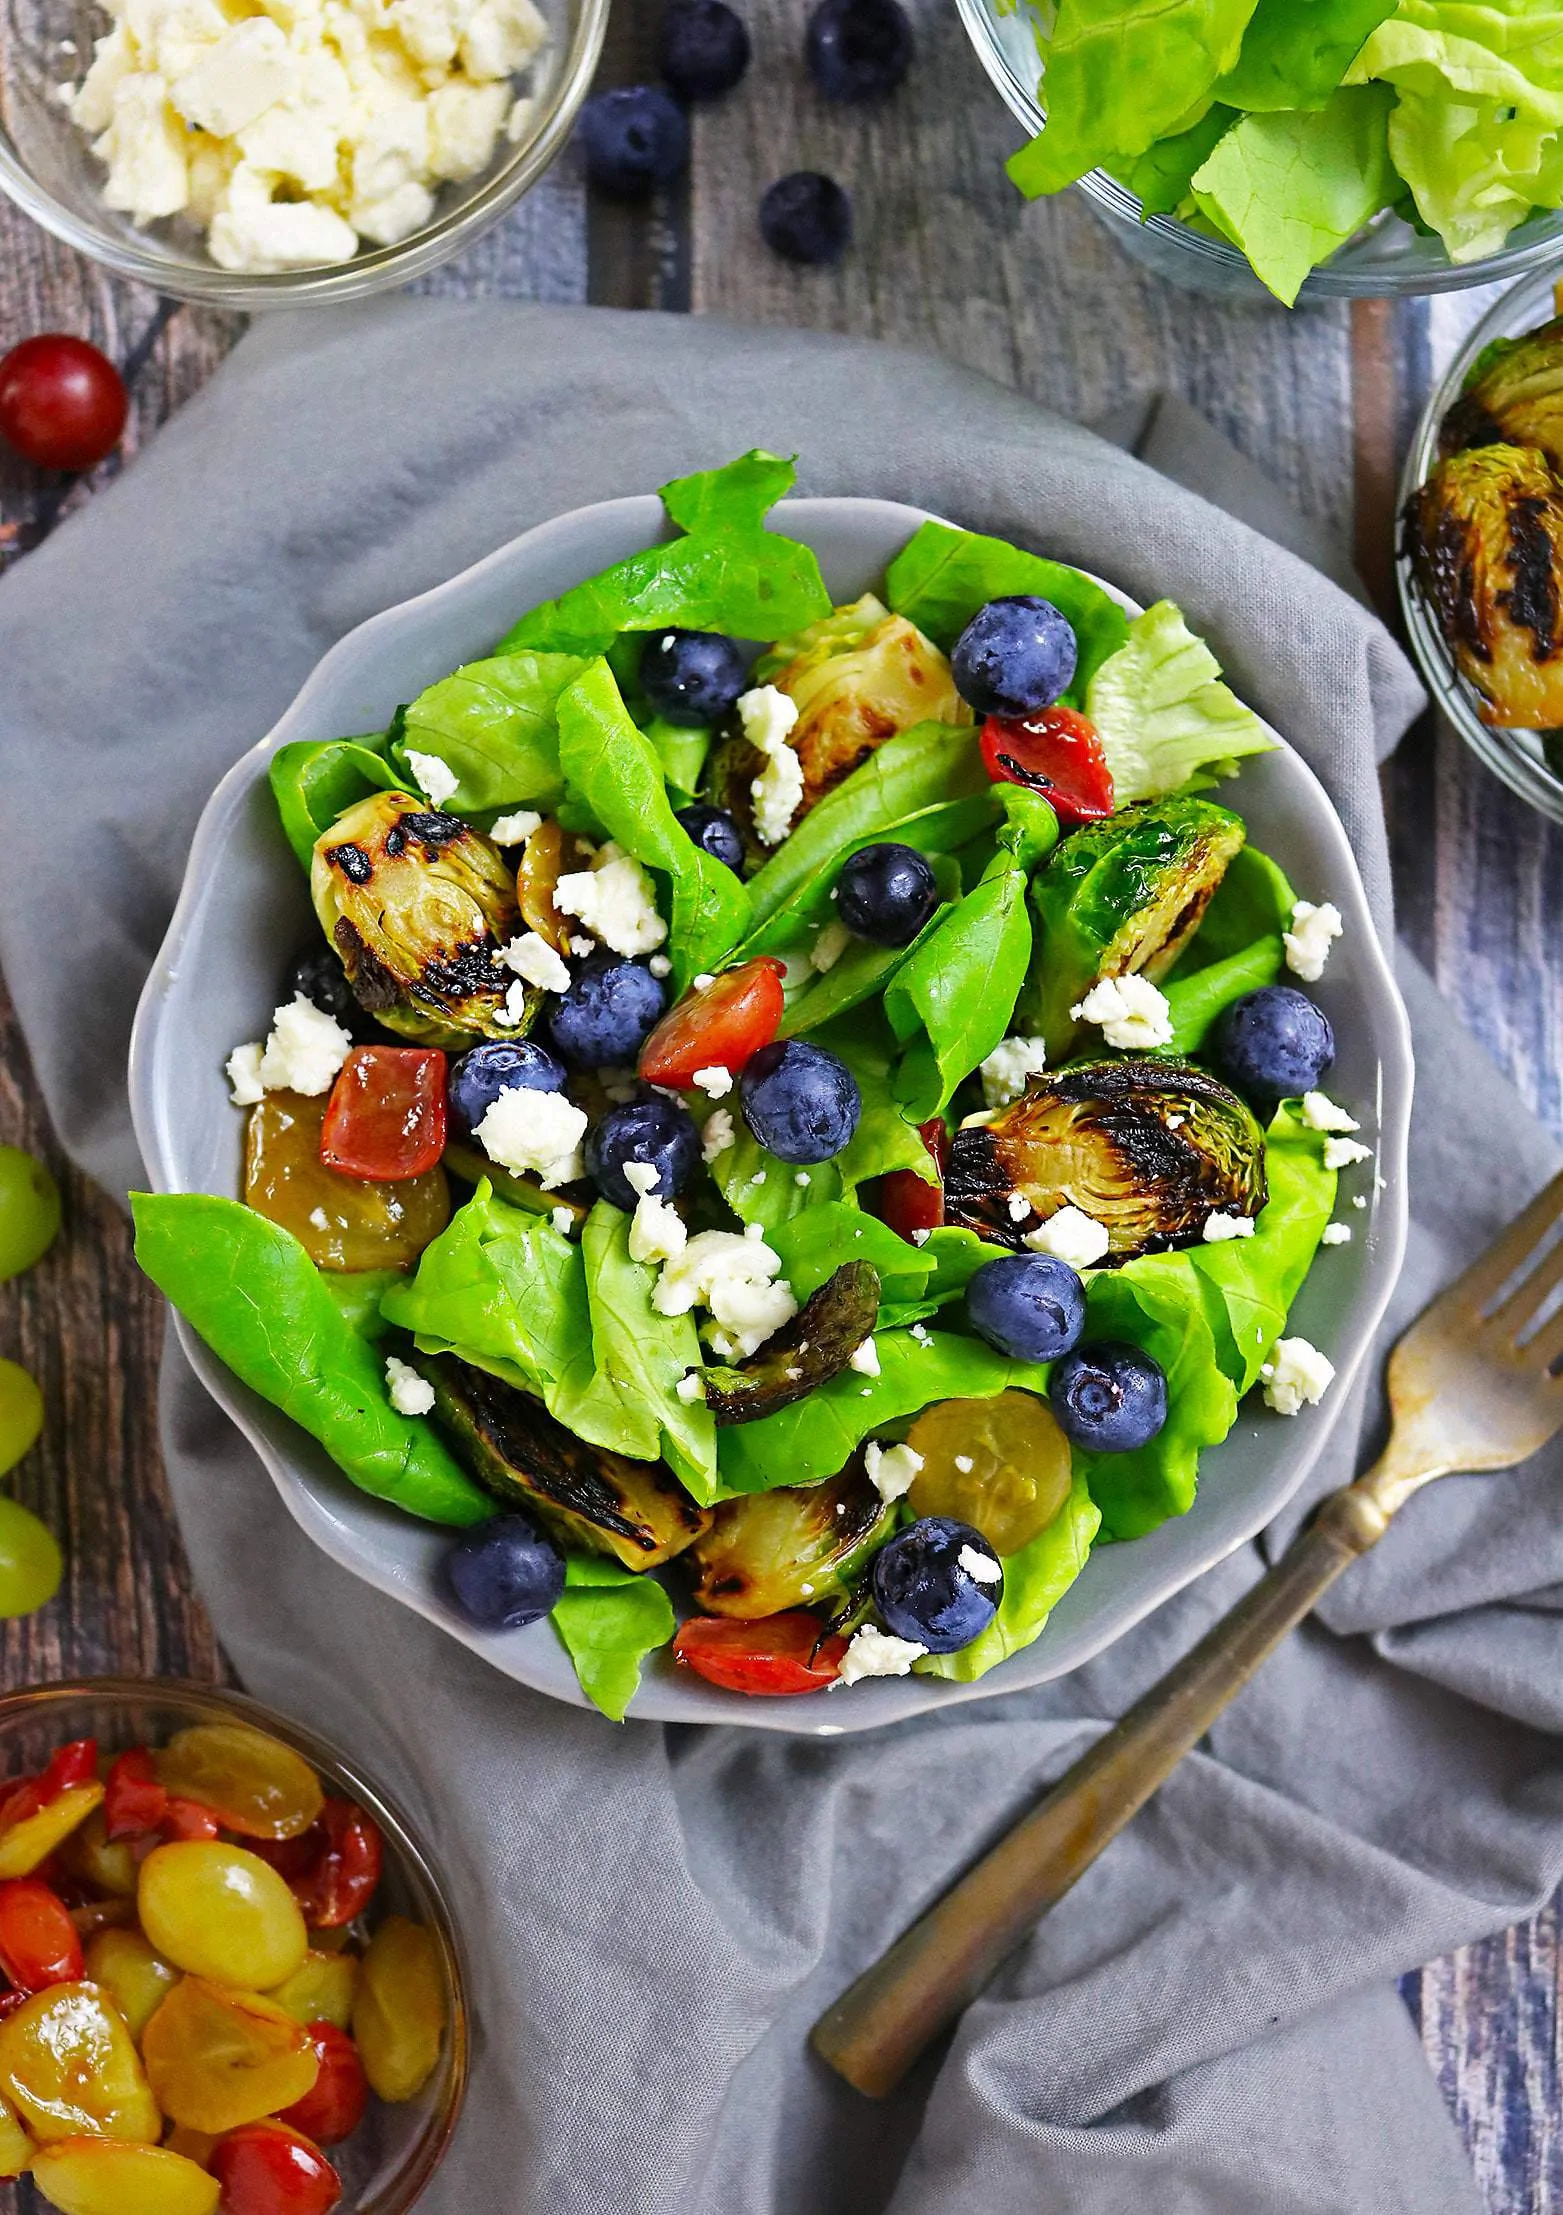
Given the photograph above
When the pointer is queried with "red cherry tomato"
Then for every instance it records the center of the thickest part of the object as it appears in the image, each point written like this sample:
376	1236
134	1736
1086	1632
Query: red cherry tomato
63	405
267	2169
1056	753
187	1819
719	1028
76	1762
333	1868
901	1199
134	1802
334	2105
39	1943
386	1117
782	1653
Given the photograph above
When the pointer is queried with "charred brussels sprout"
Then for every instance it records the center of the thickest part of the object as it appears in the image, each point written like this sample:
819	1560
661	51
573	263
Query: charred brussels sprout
1515	397
815	1346
1125	895
1148	1149
634	1510
418	904
1484	535
790	1548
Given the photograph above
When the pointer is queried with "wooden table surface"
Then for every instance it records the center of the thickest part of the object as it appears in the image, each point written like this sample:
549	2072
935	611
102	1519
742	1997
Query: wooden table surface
947	257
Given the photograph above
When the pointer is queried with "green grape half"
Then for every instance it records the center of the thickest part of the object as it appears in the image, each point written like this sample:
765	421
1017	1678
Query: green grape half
21	1414
29	1211
30	1562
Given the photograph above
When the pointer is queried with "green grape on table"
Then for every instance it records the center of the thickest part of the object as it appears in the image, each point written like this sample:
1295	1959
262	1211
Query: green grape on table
29	1211
30	1561
21	1414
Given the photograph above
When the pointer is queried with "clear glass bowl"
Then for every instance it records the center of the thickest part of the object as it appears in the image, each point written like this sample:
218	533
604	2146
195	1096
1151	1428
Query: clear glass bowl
387	2163
1530	762
48	168
1388	258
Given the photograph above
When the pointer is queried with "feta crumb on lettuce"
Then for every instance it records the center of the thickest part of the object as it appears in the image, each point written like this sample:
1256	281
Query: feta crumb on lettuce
516	829
767	715
1220	1229
715	1082
437	781
1321	1113
1308	942
1345	1153
410	1394
1130	1012
1073	1236
719	1134
1006	1069
534	1134
735	1277
534	960
615	900
892	1470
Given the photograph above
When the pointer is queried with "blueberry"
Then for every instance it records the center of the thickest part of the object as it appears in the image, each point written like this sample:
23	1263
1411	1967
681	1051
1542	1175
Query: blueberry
806	217
801	1103
925	1590
652	1130
715	832
1274	1044
858	49
318	974
482	1073
703	48
692	677
886	893
1015	657
1030	1306
611	1008
1108	1396
504	1573
636	138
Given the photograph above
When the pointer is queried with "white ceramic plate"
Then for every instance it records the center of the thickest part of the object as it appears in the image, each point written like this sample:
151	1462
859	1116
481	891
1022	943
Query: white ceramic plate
245	909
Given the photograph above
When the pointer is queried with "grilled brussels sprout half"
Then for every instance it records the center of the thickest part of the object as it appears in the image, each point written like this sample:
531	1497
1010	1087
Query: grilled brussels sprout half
790	1548
1515	397
815	1346
1124	895
637	1511
1149	1149
418	904
1485	537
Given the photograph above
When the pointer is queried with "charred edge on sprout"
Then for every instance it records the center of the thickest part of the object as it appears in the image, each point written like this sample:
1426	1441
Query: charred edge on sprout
1532	599
1442	561
353	862
814	1347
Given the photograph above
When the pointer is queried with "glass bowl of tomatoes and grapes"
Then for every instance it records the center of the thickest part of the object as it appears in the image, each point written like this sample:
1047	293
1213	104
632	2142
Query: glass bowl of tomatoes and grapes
229	1981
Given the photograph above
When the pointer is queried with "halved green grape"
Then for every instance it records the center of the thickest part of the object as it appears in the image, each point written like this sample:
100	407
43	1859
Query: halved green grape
21	1414
30	1561
29	1211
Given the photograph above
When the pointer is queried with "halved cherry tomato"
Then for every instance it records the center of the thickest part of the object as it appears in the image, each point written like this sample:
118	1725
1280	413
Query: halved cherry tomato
717	1028
267	2169
334	1868
334	2106
781	1653
39	1944
133	1799
1057	753
74	1763
386	1116
901	1199
187	1819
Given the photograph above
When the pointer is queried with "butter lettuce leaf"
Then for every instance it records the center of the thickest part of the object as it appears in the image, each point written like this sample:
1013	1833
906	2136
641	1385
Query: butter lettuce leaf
1035	1580
952	1001
1160	177
1249	1284
644	1354
1295	52
609	1619
1162	711
315	782
814	1245
495	726
1196	1002
942	576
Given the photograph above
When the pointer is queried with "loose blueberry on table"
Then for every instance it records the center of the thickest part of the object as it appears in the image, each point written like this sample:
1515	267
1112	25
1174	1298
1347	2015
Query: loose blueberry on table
858	49
806	217
636	139
703	48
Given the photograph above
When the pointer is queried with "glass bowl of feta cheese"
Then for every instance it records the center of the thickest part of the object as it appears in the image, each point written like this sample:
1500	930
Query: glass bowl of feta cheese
274	153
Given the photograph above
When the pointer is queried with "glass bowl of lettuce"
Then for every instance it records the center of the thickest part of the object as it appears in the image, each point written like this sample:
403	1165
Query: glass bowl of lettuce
302	1370
1307	149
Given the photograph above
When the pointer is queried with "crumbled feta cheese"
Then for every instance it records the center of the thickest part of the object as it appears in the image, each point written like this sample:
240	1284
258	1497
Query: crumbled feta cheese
410	1393
691	1386
704	980
1335	1234
534	1133
1308	942
717	1136
320	1218
619	1085
735	1278
1320	1113
437	781
563	1220
1295	1373
981	1568
1018	1206
767	715
250	69
802	1178
1221	1229
660	966
657	1231
892	1470
1360	1200
865	1359
515	830
532	958
921	1238
1073	1236
919	1331
244	1067
715	1082
875	1653
965	1464
514	1009
1343	1153
615	900
1130	1012
581	947
1006	1069
250	230
642	1177
757	1179
305	1050
829	947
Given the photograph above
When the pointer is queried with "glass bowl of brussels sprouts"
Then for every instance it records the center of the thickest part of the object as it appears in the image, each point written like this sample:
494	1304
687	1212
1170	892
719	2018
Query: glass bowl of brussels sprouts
1480	561
230	1969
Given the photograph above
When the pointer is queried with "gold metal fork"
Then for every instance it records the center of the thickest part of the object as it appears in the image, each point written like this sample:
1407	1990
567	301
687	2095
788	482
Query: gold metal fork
1476	1383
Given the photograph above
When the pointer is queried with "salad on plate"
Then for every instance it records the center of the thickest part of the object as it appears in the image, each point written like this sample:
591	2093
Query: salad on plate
798	1121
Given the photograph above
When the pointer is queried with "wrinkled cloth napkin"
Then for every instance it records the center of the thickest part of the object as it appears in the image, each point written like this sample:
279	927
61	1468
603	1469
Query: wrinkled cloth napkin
654	1916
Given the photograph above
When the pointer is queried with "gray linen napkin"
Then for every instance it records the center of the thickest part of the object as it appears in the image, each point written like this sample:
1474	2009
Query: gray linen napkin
654	1916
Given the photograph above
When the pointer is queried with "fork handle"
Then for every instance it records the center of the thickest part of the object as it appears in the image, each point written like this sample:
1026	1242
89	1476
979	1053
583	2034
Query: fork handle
878	2028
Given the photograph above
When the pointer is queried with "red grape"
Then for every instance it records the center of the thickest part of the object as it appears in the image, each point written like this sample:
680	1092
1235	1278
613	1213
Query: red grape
63	404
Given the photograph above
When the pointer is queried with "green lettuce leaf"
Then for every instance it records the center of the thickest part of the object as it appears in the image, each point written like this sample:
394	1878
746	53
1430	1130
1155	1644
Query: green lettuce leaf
313	783
250	1290
1253	900
942	576
952	1001
1035	1580
1476	166
724	572
1250	1283
814	1245
863	971
1196	1002
1295	52
1290	188
936	831
644	1354
494	724
1160	177
1163	713
608	1619
1507	51
682	753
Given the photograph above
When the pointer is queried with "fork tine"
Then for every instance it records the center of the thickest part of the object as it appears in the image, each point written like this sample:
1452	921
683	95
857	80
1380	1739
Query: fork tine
1529	1296
1547	1346
1512	1247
